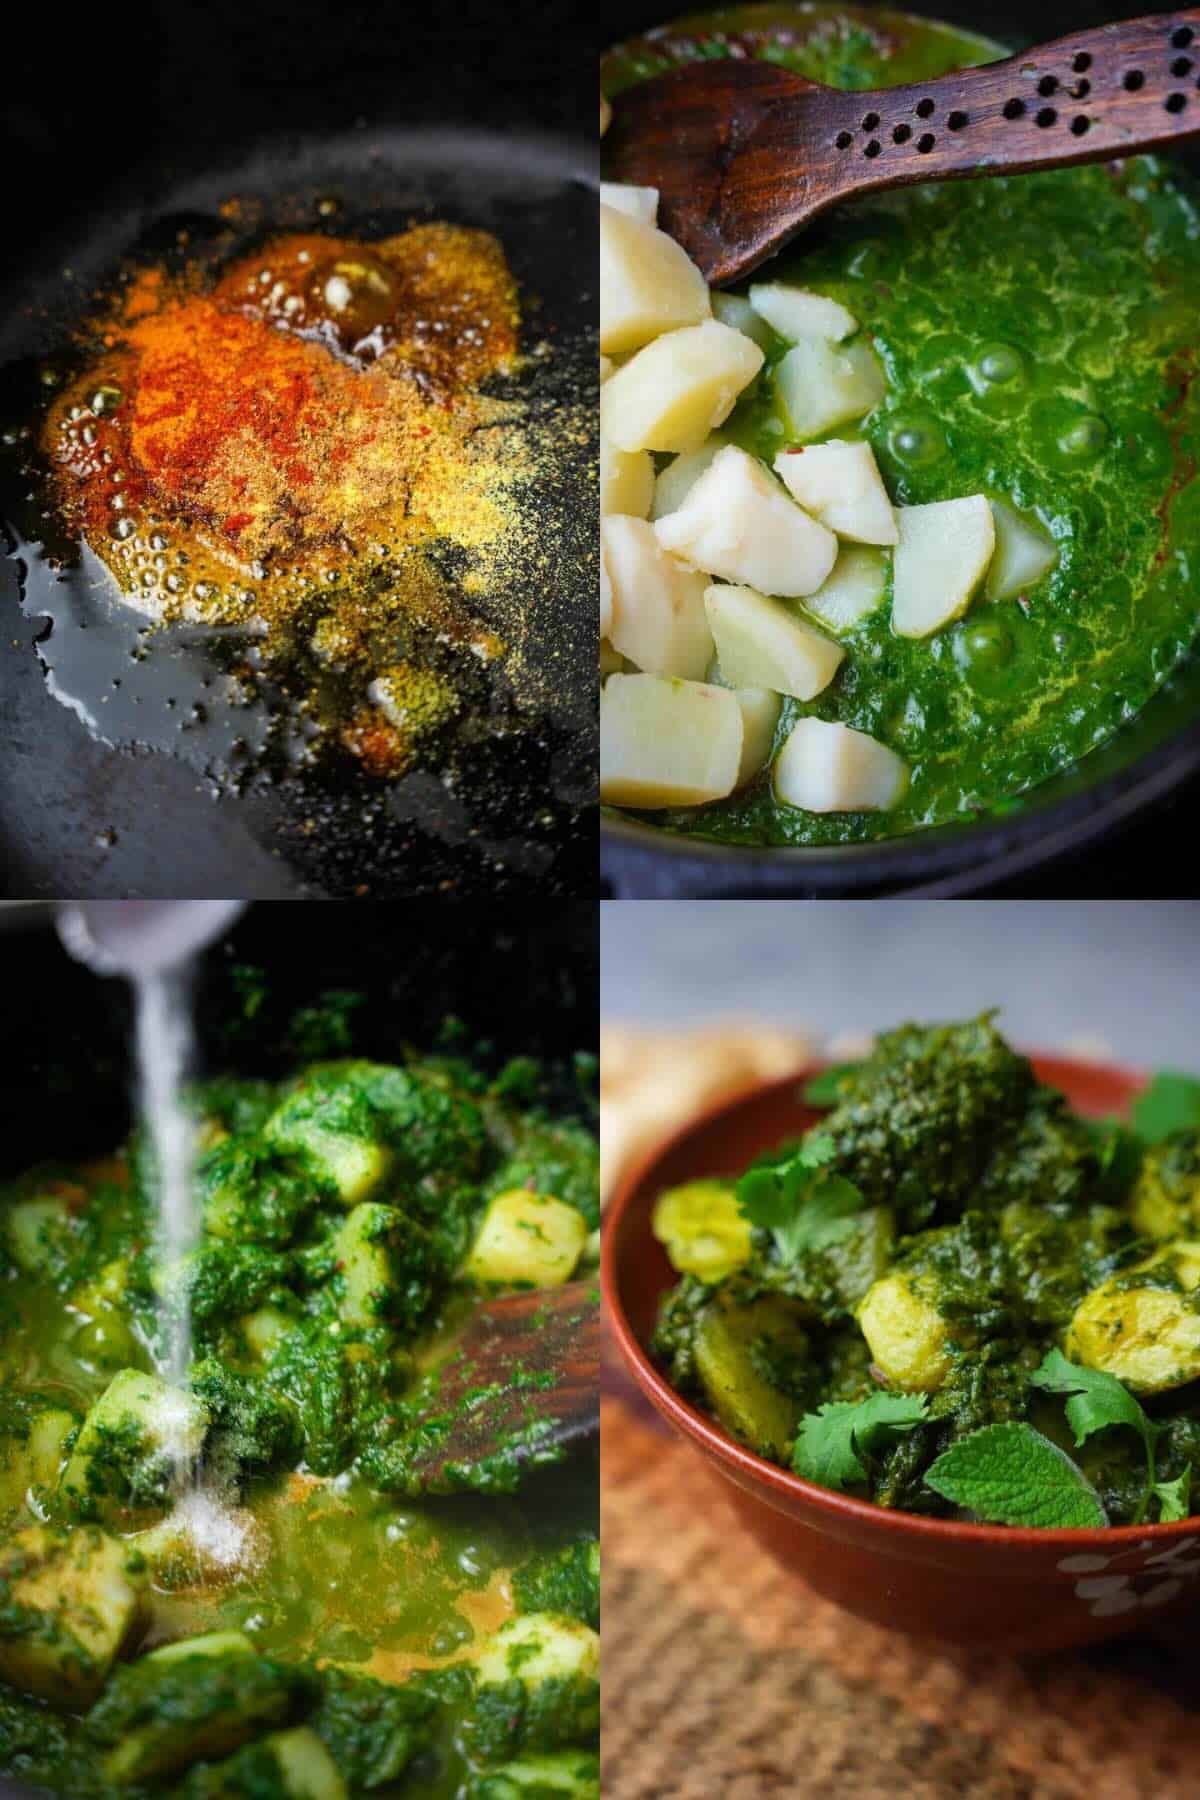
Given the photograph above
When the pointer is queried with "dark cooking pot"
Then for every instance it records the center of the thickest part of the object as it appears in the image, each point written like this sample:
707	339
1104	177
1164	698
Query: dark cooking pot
525	983
121	131
1117	809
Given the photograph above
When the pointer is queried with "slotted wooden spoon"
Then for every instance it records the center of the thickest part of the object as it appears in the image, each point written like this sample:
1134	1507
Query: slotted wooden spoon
522	1383
744	153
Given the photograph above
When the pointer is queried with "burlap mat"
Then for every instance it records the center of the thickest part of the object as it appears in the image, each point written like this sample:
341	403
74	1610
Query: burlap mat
725	1678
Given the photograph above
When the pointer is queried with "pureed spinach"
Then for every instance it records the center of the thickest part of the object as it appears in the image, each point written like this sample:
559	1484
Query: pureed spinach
1039	335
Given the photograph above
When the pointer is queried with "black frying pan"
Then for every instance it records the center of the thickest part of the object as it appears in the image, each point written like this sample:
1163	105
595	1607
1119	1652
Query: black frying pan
119	130
1116	823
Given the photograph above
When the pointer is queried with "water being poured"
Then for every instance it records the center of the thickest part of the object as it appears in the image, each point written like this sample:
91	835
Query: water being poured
155	946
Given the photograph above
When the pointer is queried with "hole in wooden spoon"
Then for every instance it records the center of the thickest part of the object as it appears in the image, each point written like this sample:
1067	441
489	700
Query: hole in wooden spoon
872	148
956	121
1047	116
1081	62
870	121
1183	37
1047	85
924	109
843	140
1133	81
1080	125
926	142
1182	65
1175	103
902	134
1013	109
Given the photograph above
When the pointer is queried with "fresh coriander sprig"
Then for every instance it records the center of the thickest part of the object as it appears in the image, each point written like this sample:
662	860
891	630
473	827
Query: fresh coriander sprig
796	1199
1095	1402
832	1442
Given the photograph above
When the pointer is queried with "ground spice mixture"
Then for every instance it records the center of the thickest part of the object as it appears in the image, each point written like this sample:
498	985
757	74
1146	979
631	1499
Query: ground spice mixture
303	449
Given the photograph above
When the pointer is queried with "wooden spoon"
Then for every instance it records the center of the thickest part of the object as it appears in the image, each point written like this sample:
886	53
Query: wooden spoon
522	1384
744	153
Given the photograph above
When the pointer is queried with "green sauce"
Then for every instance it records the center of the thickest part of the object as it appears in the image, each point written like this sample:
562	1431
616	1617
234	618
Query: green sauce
1039	336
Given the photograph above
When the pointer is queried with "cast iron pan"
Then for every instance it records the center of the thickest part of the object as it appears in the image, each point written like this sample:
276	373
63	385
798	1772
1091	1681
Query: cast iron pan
1039	843
124	132
524	981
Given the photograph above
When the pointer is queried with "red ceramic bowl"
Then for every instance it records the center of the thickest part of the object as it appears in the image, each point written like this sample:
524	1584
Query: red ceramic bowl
990	1585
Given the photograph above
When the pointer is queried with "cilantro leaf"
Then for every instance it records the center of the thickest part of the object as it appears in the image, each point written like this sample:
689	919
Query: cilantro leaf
833	1441
1174	1497
1011	1475
796	1201
1096	1402
825	1089
1170	1103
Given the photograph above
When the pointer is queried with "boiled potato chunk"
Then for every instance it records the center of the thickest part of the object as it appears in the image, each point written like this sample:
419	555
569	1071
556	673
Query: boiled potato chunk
678	389
639	202
760	643
529	1238
760	715
1148	1335
728	1335
1165	1202
827	768
906	1333
137	1439
703	1229
626	481
658	618
648	285
840	484
853	591
1024	553
605	597
941	558
70	1604
612	662
680	476
739	524
736	311
796	313
821	386
667	743
606	367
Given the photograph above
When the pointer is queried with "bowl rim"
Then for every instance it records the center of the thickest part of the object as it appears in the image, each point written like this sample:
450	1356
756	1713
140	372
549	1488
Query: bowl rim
836	1507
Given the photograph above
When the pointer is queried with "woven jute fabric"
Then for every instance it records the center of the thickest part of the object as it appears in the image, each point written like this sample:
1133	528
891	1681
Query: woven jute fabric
725	1677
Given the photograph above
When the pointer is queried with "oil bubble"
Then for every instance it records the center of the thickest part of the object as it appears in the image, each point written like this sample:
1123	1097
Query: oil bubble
1085	439
916	440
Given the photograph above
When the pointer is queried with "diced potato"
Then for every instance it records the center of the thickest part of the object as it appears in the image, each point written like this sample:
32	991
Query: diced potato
1147	1336
605	596
67	1605
529	1238
821	386
195	1700
840	484
760	715
760	643
680	476
906	1333
265	1329
796	313
606	368
658	619
853	591
736	311
41	1230
737	523
1024	553
639	202
826	768
139	1436
678	389
1165	1202
667	743
648	285
626	481
540	1647
30	1458
941	558
307	1770
749	1406
703	1229
383	1266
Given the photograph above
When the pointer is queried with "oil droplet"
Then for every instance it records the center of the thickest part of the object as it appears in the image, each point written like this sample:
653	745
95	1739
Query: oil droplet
1085	439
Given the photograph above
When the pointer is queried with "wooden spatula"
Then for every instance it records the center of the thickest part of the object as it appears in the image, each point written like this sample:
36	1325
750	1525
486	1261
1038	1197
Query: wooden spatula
521	1386
744	153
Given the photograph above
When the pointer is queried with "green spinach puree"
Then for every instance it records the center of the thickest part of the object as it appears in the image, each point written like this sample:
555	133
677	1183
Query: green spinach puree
1039	336
240	1588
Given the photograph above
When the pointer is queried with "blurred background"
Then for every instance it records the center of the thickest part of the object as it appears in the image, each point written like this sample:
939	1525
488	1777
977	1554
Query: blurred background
1109	977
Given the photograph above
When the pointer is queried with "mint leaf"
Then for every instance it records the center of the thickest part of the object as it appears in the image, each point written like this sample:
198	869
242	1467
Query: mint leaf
1174	1497
802	1207
825	1089
833	1441
1098	1401
1011	1475
1170	1103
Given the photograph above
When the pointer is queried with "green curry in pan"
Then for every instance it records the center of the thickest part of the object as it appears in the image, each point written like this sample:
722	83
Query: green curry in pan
233	1586
953	1295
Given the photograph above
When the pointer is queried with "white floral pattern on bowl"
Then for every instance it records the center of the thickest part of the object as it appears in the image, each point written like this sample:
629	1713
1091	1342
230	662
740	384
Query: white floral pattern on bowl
1152	1581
